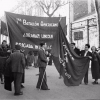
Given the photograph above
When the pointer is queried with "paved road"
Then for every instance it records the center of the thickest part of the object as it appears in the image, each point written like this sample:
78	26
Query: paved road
58	91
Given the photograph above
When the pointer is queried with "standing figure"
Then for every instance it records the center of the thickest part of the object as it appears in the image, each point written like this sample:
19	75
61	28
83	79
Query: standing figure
30	59
95	65
76	50
17	61
42	63
23	77
87	53
4	53
35	59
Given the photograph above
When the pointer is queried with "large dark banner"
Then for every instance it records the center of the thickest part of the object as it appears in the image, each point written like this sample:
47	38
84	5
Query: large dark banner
71	66
29	31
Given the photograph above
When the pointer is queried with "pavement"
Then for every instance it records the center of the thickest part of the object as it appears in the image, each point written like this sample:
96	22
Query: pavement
58	90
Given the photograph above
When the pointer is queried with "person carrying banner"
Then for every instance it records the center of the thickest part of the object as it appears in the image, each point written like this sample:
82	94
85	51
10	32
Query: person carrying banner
77	51
87	53
17	67
42	63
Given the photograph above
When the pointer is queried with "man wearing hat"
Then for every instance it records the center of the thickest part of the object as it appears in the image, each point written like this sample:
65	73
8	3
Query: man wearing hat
17	67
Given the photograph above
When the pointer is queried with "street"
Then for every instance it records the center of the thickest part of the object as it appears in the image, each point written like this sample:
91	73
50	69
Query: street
58	91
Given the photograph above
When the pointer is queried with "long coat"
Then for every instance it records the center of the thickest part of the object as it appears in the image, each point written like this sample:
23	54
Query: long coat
42	59
77	51
95	65
42	62
88	53
17	62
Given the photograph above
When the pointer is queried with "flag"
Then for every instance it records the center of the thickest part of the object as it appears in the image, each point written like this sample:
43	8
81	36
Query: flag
3	28
71	66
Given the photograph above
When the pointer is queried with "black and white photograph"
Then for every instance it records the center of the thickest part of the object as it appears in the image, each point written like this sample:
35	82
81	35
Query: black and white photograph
49	49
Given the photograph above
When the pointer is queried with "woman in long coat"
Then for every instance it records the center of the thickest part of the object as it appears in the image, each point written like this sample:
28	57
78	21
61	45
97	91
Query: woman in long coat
95	65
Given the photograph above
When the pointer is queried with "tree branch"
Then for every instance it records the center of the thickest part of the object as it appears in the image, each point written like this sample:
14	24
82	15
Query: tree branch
46	6
54	10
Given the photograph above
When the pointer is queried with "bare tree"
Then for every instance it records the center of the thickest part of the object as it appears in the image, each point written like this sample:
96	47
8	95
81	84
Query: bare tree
50	6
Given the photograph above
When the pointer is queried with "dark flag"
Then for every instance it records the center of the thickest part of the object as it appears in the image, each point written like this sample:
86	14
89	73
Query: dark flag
70	65
3	28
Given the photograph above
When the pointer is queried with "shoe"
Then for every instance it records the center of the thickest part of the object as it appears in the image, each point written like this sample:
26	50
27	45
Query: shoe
22	86
45	89
21	93
86	83
2	82
37	74
94	82
60	77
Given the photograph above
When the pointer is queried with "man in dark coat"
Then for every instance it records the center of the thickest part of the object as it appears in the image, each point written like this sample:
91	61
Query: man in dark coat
42	63
87	53
4	52
17	67
76	50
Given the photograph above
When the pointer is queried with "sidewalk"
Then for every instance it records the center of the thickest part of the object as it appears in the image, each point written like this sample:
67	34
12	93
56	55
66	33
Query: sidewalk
58	90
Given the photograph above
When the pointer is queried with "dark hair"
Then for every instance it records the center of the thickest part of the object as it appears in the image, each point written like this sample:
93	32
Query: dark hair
4	41
95	48
73	43
30	52
17	47
87	45
42	43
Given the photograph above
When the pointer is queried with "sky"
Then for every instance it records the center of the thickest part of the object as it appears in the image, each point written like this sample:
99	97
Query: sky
6	5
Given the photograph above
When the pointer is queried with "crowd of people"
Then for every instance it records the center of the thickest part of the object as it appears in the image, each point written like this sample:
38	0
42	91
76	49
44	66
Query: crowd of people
94	56
14	62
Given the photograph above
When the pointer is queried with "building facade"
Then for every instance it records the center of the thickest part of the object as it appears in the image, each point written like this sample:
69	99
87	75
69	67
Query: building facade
84	25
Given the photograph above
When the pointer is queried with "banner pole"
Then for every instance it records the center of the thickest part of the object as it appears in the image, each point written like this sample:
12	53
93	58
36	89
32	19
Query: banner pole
0	32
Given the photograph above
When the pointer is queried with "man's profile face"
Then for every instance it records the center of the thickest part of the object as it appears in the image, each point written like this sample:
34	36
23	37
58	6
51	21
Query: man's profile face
86	48
45	46
4	43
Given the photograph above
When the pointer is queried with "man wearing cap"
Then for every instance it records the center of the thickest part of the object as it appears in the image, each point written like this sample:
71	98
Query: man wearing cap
17	61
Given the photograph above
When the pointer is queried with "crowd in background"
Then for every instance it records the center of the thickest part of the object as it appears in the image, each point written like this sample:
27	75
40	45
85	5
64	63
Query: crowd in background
31	60
19	60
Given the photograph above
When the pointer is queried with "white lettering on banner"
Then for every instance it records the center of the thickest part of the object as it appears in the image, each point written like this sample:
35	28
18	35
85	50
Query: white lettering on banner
47	36
36	47
39	24
30	23
49	24
31	35
18	20
44	36
24	45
